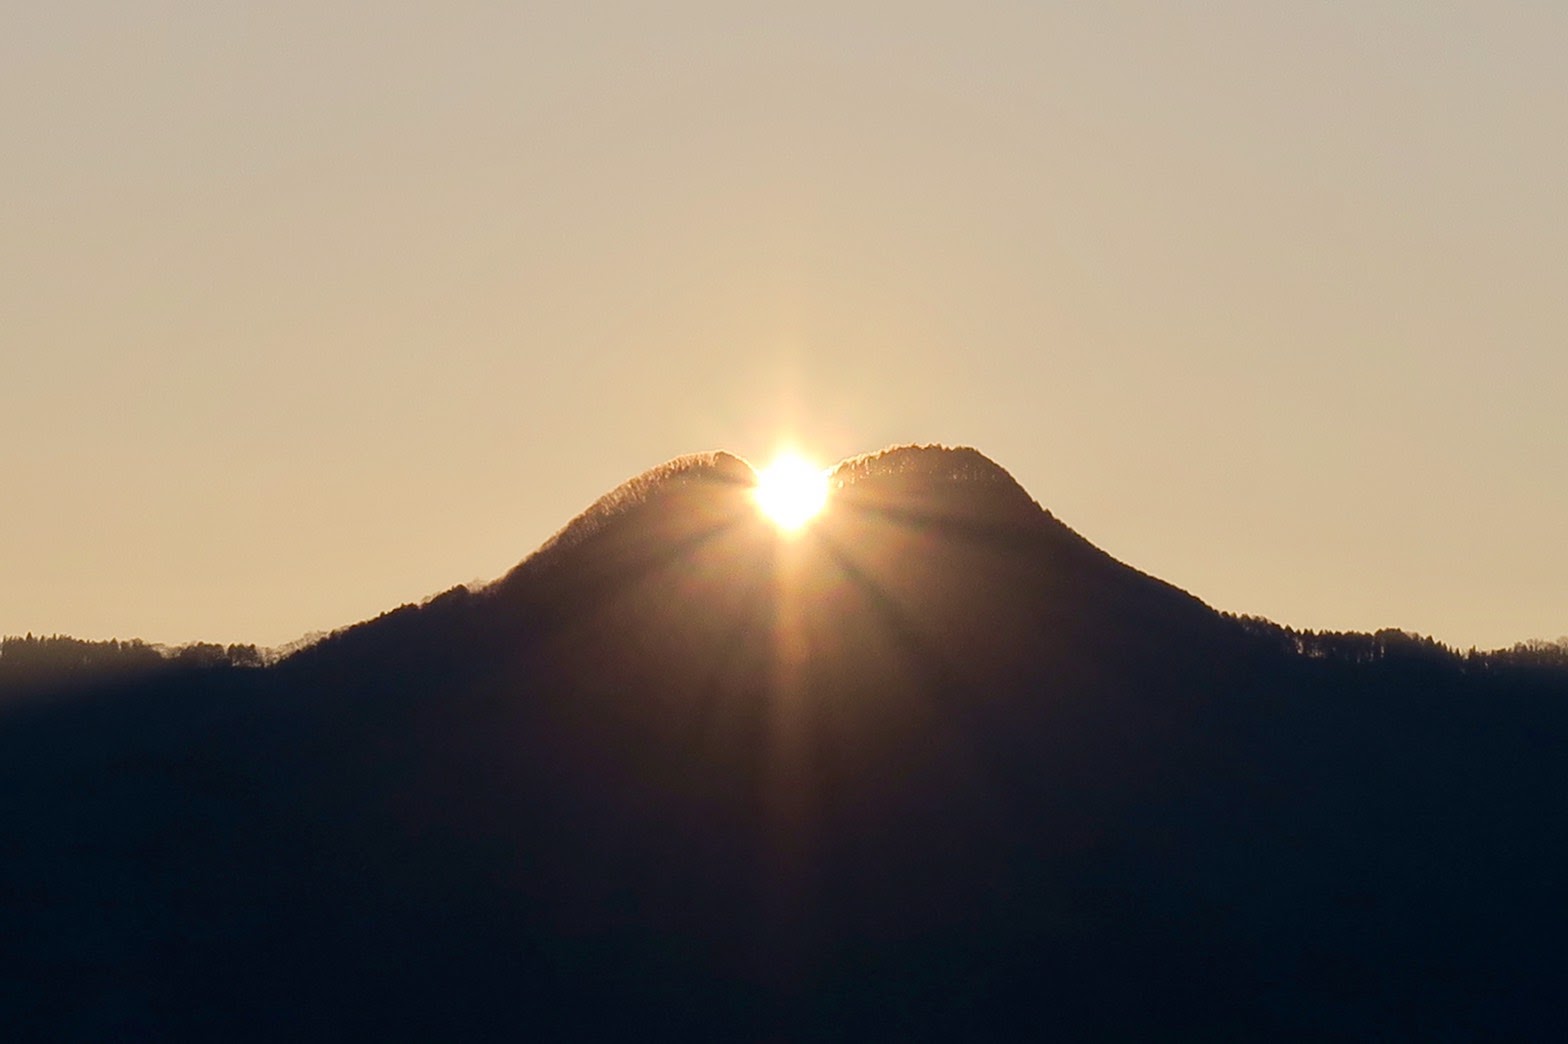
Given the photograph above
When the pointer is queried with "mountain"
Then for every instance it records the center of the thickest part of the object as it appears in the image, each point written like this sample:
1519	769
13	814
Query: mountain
936	767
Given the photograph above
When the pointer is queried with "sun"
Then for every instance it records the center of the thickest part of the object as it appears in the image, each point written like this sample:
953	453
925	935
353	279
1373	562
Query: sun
791	492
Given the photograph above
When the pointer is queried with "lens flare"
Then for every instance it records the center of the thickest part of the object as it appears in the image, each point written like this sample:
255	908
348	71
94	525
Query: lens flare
791	492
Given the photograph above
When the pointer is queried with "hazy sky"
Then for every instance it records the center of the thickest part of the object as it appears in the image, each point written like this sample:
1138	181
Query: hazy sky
308	310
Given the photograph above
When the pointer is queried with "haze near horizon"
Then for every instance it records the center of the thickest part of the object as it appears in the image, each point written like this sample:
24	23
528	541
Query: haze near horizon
308	313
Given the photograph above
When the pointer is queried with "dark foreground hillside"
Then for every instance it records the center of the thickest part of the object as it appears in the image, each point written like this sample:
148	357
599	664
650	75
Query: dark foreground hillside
937	768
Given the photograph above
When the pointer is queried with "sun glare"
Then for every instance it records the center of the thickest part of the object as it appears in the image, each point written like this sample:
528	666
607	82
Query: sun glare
791	492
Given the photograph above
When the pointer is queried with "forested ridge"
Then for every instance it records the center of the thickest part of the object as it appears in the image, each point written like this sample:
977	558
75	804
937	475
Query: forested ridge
1395	647
44	662
940	769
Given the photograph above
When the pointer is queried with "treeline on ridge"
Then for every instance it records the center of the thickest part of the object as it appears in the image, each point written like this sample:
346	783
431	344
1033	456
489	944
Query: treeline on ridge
58	661
1396	648
32	662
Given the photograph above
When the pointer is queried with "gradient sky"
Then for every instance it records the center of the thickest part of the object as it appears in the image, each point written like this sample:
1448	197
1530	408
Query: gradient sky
308	310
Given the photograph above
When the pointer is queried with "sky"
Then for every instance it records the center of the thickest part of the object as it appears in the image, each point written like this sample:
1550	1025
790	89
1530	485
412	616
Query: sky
308	310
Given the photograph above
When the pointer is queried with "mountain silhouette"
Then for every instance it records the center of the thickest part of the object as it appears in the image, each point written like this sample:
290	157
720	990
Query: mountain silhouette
934	767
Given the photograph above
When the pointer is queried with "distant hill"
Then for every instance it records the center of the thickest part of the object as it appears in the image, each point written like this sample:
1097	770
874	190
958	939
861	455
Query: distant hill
936	768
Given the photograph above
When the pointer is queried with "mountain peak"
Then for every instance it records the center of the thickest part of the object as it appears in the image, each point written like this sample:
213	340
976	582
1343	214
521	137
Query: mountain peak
925	465
714	469
698	476
709	485
958	463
